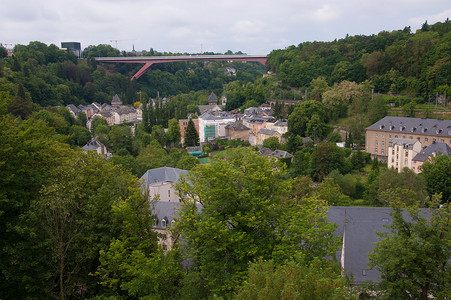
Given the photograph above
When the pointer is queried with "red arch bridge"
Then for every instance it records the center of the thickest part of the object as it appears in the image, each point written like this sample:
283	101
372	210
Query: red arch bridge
148	61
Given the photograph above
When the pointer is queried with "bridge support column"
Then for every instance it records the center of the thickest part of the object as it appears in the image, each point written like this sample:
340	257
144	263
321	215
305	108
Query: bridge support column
142	70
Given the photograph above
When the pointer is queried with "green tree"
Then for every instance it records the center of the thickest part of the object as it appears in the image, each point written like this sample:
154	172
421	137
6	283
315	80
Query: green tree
247	214
80	135
120	138
271	143
437	174
317	280
173	133
413	257
159	135
191	136
306	118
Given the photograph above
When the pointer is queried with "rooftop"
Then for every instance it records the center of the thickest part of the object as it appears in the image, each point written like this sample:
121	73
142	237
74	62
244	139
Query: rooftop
437	127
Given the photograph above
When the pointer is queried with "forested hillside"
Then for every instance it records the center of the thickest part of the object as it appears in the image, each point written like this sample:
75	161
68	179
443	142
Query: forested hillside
400	62
50	76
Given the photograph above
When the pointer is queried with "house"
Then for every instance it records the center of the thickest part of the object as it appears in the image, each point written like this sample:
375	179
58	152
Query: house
429	152
264	134
281	126
73	110
280	154
160	182
237	131
401	152
426	131
95	145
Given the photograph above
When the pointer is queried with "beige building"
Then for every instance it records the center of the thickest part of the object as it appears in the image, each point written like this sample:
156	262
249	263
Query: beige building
426	131
401	153
160	182
264	134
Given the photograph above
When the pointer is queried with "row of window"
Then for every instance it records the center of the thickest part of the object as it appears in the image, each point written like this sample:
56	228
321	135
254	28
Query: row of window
410	137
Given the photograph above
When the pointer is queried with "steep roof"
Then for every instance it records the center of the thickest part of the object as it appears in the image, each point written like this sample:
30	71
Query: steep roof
161	175
116	100
431	149
406	125
212	97
281	154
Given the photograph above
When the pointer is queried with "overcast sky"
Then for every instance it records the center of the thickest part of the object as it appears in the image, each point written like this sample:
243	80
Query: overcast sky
251	26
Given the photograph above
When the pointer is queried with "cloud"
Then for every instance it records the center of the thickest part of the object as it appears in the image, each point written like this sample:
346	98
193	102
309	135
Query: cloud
326	13
432	19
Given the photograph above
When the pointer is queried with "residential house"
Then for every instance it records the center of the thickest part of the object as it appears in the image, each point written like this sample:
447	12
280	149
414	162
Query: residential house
160	182
401	152
281	126
95	145
73	110
426	154
237	131
264	134
426	131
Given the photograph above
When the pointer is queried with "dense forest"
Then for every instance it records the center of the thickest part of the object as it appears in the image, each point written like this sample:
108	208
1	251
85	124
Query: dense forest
75	225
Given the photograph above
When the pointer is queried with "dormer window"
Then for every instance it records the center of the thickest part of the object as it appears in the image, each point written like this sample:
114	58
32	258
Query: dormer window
439	131
392	127
401	128
413	129
424	130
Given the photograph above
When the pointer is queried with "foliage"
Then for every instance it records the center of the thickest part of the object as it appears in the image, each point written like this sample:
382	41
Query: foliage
413	257
308	119
437	174
247	214
173	133
272	143
191	136
317	280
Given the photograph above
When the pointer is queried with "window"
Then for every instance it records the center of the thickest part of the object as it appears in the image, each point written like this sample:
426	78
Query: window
377	134
169	193
393	152
383	135
396	136
392	160
407	153
418	138
405	162
433	140
376	143
375	150
411	137
389	136
425	139
163	223
383	143
442	140
382	151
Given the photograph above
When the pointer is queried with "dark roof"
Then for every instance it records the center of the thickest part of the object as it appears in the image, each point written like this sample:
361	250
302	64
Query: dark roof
236	126
212	97
162	174
165	210
116	99
92	145
431	149
265	152
281	154
73	108
267	131
405	125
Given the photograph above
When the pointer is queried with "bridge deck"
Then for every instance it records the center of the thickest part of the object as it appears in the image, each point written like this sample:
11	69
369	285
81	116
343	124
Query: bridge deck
148	61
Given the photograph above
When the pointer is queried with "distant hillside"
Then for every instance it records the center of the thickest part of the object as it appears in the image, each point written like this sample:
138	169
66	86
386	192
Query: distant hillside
400	62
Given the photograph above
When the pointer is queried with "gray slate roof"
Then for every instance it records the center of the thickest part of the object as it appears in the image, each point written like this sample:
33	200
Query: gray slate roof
73	108
267	131
431	149
237	126
406	143
92	145
405	125
162	174
212	97
280	154
116	100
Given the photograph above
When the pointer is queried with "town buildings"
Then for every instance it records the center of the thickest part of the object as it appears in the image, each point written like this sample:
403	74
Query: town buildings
426	131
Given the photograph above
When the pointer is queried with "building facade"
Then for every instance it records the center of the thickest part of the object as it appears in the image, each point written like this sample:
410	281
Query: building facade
401	153
426	131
